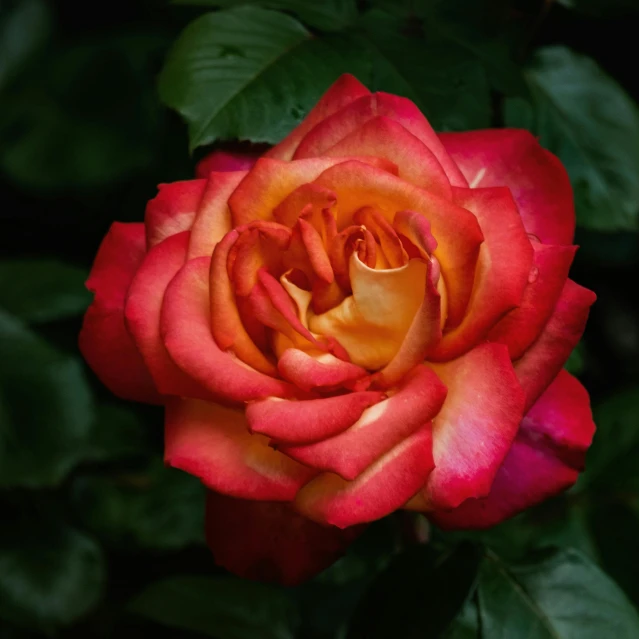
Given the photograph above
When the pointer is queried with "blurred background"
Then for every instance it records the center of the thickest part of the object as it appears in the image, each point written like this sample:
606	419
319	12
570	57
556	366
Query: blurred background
97	538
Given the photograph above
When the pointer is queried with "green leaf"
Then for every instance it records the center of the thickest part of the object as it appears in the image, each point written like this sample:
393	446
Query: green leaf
42	290
251	74
221	608
88	115
416	596
327	15
50	574
576	361
45	407
158	508
446	82
586	118
24	28
559	596
466	623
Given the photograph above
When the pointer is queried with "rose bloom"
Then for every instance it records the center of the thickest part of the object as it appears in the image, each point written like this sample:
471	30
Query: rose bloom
368	317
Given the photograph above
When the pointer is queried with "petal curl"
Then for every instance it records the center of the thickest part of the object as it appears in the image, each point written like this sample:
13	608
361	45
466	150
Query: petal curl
476	426
380	428
142	313
542	362
537	179
104	340
220	161
309	420
213	443
503	267
172	210
269	541
545	458
186	330
383	488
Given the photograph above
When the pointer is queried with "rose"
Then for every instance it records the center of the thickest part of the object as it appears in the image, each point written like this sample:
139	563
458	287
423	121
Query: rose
367	318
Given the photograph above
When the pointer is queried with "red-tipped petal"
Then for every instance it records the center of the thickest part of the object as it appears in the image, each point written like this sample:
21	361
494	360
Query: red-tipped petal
186	330
476	426
383	137
383	488
342	92
521	327
541	363
503	268
172	210
537	179
324	371
311	420
269	541
545	458
104	341
213	443
213	219
220	161
142	313
379	429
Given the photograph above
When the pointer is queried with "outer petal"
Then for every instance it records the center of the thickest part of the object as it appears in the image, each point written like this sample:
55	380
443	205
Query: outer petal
185	326
142	313
172	210
456	229
104	341
542	362
545	458
214	444
383	488
383	137
344	90
537	179
521	327
379	429
213	219
476	426
336	127
310	420
219	161
269	541
503	268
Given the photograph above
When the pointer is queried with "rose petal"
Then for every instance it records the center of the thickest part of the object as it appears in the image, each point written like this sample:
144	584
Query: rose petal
104	341
269	541
383	488
475	427
213	219
172	210
383	137
521	327
503	268
343	91
142	313
380	428
185	326
213	443
537	179
336	127
324	371
311	420
542	362
545	458
219	161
